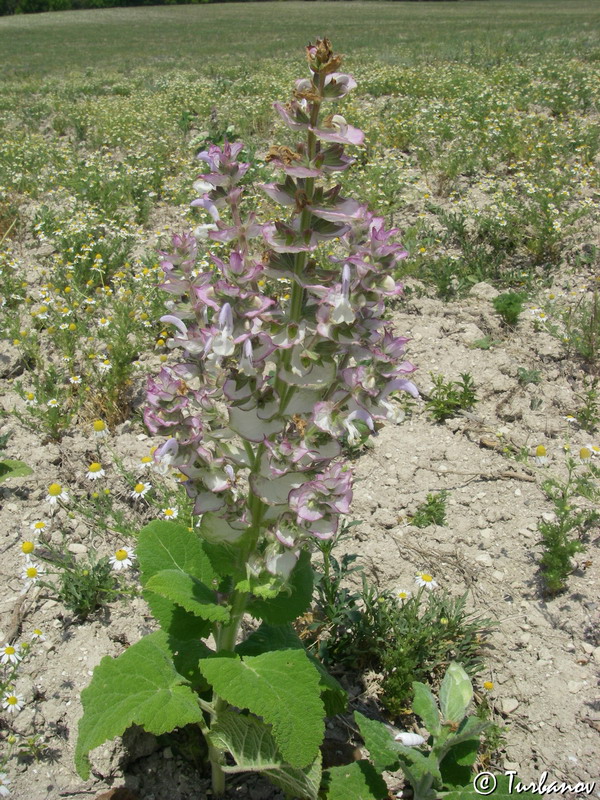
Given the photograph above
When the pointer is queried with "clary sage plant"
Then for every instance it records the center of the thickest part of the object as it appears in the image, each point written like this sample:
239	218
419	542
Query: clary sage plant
269	384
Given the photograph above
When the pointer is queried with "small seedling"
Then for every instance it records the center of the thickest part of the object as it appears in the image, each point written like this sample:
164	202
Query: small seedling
431	512
526	376
509	305
588	414
447	398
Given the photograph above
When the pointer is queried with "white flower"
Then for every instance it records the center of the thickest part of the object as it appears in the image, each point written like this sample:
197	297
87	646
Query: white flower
123	558
52	403
99	428
409	739
594	449
402	595
13	702
140	489
10	654
38	525
425	579
104	366
170	513
37	635
95	471
75	380
56	493
31	574
4	781
540	455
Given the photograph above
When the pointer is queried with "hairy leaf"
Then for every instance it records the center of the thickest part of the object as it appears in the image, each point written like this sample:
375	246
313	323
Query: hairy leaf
380	743
425	706
168	545
455	693
280	686
140	687
189	593
287	607
359	781
13	469
254	749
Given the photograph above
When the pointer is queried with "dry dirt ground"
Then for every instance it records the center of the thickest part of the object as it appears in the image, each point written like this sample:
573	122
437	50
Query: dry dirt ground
545	654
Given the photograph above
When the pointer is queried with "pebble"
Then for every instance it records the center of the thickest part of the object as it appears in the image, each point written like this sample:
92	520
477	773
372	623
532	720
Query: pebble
77	549
509	704
574	686
484	559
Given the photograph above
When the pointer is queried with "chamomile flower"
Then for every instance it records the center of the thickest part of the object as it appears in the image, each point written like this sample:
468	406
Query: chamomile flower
146	462
593	448
585	454
13	702
402	595
27	548
426	580
95	471
99	428
37	635
30	399
103	322
56	493
570	418
140	489
38	525
170	513
123	558
10	654
104	366
540	455
75	380
31	574
52	403
488	685
4	781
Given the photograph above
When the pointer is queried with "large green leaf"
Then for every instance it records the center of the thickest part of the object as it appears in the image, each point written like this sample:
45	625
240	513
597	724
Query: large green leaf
254	749
455	693
140	687
283	637
175	620
168	545
280	686
189	593
289	604
13	469
357	781
424	706
383	750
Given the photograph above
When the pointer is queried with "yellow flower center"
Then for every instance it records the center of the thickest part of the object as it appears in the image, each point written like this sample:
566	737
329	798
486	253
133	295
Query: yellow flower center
139	488
31	572
30	396
585	453
12	700
169	512
488	685
95	467
540	451
37	632
121	555
99	425
27	547
9	650
146	460
425	577
39	526
55	489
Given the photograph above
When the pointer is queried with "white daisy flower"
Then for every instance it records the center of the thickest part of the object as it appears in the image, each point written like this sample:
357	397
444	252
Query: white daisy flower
95	471
540	455
123	558
75	380
146	463
56	493
140	489
38	525
402	595
30	399
31	573
593	448
104	366
13	702
425	579
37	635
10	654
170	513
52	403
99	428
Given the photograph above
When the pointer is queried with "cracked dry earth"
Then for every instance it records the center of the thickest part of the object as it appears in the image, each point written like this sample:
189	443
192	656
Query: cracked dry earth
544	655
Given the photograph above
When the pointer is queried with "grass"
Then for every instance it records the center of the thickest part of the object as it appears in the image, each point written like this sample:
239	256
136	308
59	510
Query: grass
200	37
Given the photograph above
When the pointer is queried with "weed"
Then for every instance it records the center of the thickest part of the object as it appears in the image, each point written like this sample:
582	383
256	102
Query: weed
509	305
432	511
588	414
526	376
483	344
447	398
582	330
561	537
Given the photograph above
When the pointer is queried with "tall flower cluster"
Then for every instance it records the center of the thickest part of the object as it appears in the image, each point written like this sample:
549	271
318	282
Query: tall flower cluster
269	383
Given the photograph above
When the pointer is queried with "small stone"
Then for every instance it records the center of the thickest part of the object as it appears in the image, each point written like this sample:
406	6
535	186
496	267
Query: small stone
511	766
484	559
574	686
509	704
587	647
77	549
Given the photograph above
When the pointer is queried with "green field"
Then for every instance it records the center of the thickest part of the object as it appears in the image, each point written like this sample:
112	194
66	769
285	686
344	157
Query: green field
195	37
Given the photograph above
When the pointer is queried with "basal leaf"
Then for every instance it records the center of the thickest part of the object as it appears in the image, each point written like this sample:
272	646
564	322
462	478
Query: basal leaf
425	706
139	687
455	693
254	749
287	606
359	781
383	750
282	687
13	469
189	593
168	545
